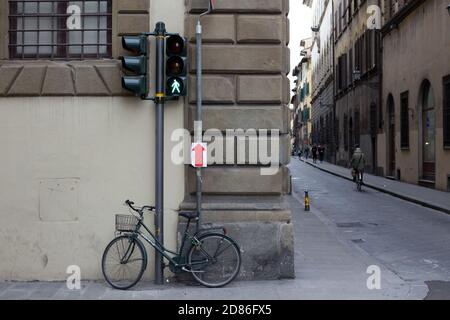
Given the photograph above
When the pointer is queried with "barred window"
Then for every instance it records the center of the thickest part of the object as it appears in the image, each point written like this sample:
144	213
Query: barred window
60	29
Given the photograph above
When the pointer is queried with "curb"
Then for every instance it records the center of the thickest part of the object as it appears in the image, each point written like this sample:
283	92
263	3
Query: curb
383	190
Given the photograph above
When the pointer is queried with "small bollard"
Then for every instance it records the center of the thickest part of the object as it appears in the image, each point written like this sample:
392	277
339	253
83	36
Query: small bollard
307	207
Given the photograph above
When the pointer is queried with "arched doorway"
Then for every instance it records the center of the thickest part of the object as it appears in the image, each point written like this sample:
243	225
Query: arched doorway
428	129
391	136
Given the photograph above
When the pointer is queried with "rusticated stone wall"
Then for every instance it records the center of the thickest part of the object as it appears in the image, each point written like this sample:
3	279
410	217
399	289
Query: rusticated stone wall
245	63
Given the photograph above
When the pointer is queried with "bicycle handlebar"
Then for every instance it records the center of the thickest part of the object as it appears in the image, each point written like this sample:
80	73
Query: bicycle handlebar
138	210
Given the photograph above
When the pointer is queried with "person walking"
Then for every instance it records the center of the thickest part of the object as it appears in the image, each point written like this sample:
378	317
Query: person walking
321	153
314	153
306	152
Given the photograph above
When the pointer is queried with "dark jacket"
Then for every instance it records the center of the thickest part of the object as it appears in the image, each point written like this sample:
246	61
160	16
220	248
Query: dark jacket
358	160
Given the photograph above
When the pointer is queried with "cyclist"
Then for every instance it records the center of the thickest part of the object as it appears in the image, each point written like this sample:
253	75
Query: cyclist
358	162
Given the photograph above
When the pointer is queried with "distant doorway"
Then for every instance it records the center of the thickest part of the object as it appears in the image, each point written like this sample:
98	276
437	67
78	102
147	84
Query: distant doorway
428	133
391	136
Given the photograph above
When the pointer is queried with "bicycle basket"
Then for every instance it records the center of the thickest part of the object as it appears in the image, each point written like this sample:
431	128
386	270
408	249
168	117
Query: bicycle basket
126	223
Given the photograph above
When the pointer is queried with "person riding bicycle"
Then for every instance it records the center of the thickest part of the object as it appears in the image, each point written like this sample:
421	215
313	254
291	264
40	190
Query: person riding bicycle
358	162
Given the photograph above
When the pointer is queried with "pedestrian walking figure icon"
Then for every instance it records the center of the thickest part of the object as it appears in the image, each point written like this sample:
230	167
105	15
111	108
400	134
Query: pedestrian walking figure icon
176	87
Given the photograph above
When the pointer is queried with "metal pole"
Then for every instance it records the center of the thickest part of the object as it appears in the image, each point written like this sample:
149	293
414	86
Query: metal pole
198	128
160	31
198	125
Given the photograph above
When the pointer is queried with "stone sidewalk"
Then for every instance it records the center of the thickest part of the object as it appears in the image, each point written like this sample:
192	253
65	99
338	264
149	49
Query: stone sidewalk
433	199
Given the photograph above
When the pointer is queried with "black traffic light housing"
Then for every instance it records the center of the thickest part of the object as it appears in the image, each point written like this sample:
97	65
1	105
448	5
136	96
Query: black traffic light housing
136	65
176	66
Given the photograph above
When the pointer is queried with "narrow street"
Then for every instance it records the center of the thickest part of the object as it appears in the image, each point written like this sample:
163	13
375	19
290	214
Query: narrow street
409	240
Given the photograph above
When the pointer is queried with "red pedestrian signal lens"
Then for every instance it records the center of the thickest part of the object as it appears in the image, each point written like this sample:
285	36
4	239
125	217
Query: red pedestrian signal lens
175	45
175	65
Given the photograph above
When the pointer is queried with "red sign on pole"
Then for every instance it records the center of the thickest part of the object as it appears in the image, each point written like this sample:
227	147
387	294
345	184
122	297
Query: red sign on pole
199	155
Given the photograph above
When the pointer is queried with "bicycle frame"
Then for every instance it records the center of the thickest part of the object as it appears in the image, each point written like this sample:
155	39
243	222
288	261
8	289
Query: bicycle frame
153	241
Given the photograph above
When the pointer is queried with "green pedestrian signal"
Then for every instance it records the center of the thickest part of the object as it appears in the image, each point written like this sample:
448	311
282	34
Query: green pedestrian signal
176	66
175	87
135	79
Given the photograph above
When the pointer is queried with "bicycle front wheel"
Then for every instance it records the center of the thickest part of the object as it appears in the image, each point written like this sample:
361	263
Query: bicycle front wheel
124	261
215	261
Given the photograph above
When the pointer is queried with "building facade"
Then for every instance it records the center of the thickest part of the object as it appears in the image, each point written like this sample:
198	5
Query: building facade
414	143
75	145
357	80
302	110
322	96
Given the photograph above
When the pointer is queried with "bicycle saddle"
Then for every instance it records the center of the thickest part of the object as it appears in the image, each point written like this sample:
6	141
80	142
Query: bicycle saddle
189	214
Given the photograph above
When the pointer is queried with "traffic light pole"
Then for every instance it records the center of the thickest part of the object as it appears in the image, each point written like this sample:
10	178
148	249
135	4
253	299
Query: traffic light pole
160	33
138	84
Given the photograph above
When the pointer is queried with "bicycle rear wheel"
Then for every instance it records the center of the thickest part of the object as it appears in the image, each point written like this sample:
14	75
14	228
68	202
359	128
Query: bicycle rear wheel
359	181
216	261
124	262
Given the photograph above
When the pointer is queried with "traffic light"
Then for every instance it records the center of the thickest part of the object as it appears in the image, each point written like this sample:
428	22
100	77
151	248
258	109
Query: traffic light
176	66
137	65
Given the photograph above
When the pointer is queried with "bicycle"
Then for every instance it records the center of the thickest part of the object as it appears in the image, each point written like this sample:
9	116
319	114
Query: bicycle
207	258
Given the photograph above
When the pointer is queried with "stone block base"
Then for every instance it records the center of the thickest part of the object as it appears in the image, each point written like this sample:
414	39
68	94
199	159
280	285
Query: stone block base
266	239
